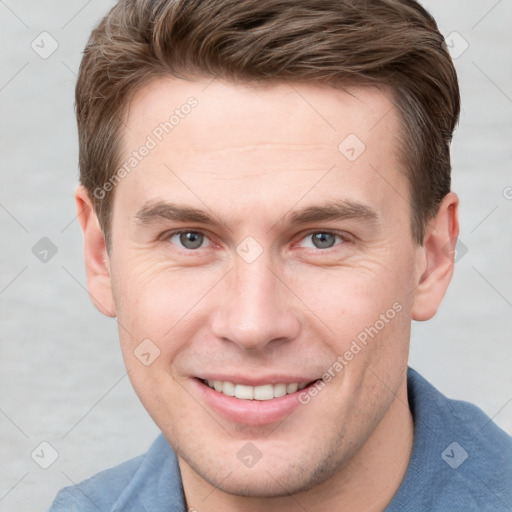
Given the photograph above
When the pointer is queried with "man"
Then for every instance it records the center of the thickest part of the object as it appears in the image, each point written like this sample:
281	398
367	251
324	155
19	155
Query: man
265	201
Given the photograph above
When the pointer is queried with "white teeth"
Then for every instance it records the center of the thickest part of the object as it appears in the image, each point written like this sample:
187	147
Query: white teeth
279	390
264	392
228	388
291	388
244	392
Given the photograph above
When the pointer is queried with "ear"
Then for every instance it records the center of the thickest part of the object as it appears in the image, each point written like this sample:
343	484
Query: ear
97	263
436	259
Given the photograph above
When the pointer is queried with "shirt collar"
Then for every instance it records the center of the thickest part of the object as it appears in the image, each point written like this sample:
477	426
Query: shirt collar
156	485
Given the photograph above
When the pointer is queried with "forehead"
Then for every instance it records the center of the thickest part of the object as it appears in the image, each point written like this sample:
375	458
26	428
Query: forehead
295	113
209	137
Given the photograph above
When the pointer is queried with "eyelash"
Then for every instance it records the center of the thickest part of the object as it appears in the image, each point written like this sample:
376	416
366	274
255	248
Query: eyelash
344	237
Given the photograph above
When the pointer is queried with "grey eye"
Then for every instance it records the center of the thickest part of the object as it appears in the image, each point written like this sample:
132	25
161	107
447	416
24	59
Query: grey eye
190	239
323	240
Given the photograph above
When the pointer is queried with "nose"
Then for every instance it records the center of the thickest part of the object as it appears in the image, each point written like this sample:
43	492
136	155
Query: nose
256	308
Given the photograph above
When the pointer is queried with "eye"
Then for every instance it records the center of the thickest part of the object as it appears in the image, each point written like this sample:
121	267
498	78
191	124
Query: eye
323	239
192	240
188	239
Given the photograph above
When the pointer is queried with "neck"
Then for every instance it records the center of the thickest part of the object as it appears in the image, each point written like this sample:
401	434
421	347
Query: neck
367	482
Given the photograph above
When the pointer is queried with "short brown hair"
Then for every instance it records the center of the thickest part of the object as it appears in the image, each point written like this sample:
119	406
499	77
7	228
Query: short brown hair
391	43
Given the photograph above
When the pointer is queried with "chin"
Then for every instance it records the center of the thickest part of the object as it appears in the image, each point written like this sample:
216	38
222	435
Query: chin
272	479
262	484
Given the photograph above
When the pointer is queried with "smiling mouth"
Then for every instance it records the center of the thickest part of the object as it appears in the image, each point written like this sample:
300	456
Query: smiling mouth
264	392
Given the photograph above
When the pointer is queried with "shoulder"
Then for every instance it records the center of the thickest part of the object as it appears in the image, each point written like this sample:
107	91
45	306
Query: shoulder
98	492
466	423
126	486
461	460
483	453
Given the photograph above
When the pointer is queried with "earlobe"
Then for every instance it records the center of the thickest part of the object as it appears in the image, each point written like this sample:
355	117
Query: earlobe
435	266
95	253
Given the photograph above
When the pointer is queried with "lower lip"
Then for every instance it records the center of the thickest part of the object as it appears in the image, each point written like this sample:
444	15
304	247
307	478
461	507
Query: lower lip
248	412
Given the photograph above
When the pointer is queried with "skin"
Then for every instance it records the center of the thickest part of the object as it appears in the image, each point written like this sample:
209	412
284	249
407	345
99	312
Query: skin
250	155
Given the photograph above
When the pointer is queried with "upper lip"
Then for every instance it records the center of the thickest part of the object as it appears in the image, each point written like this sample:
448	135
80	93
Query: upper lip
256	381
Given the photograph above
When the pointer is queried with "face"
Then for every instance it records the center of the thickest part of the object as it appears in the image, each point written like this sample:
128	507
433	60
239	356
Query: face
261	248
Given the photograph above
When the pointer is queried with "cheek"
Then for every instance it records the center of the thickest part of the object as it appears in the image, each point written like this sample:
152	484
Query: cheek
350	299
367	318
155	302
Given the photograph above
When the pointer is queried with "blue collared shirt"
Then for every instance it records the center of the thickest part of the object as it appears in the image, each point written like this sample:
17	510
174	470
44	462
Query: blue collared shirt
461	462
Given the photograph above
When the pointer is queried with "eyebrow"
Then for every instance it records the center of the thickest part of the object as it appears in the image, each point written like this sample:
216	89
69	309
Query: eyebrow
154	212
335	210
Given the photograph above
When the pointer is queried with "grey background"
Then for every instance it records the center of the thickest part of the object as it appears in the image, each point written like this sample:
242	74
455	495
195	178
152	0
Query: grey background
62	379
